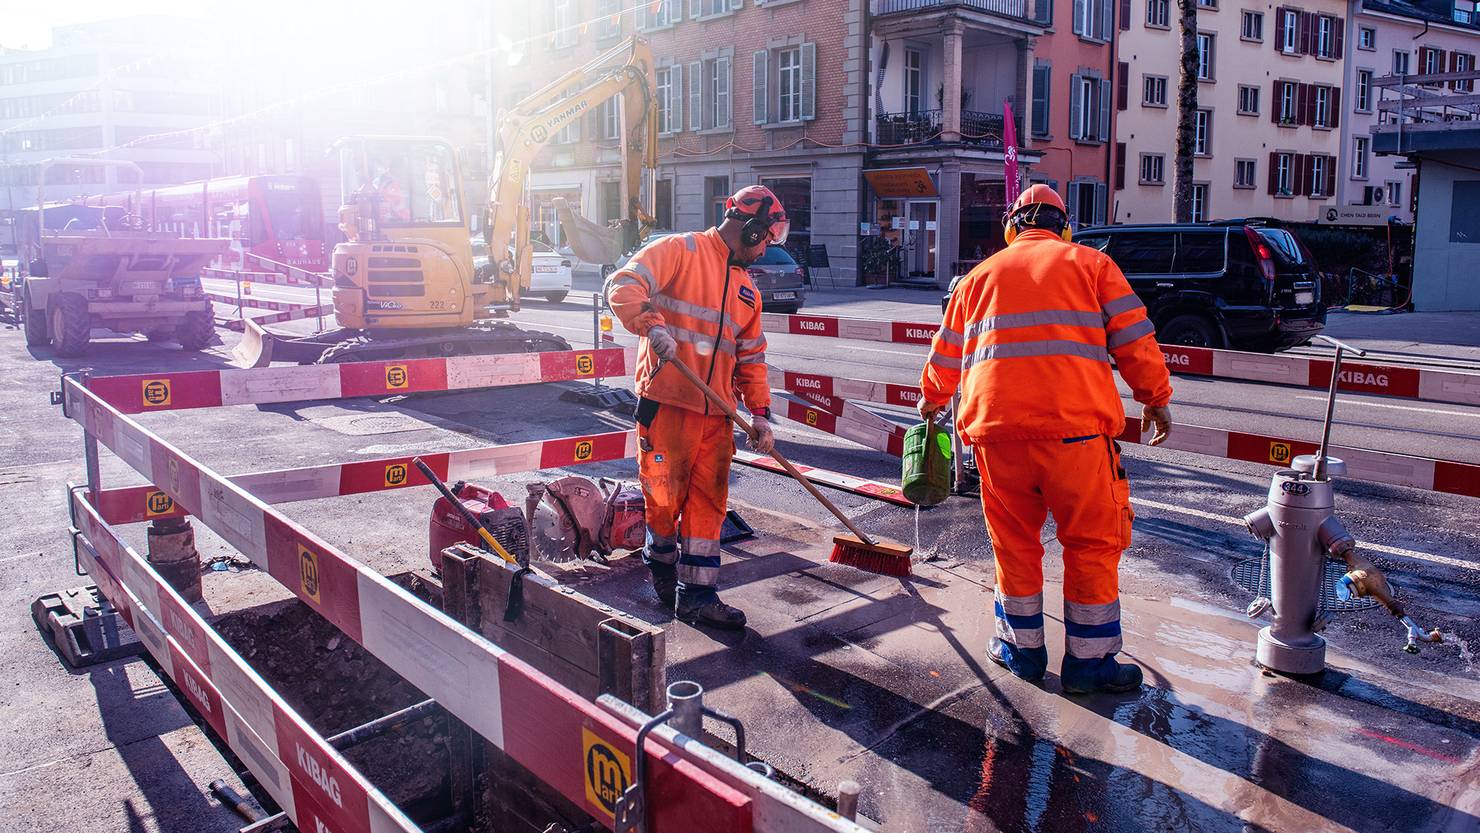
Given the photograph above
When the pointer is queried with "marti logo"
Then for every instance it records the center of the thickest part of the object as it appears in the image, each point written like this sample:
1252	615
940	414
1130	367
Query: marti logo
607	773
811	417
584	450
158	503
156	392
308	573
396	377
319	774
395	474
585	365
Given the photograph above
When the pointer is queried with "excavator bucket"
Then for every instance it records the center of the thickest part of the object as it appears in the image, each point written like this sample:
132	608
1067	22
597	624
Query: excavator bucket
255	348
591	242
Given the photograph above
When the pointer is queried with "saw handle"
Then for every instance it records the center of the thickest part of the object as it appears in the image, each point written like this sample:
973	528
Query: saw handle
467	514
729	410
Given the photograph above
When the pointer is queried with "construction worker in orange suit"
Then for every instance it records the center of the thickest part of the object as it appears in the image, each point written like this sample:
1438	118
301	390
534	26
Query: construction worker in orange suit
691	299
1028	335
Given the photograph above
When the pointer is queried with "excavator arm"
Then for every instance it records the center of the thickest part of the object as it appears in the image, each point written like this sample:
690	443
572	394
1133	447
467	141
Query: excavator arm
625	70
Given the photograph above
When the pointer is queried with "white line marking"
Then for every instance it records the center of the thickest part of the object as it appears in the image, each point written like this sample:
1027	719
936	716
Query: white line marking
1382	548
1395	407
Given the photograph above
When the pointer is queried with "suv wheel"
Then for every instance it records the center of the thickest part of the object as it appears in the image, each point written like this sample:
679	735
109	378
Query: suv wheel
1189	331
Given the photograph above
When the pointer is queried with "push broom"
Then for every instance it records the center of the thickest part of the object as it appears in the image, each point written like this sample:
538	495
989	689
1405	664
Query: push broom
857	550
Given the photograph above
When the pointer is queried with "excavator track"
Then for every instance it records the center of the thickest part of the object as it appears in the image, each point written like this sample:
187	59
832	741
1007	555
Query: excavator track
499	337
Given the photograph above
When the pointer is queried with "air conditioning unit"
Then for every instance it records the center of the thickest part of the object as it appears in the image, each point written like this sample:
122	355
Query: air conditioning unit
1373	195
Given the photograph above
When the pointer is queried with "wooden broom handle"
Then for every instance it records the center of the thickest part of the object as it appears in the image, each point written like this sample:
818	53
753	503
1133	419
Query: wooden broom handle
729	410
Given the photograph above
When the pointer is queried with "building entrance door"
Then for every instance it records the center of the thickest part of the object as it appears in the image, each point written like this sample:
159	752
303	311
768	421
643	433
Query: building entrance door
919	239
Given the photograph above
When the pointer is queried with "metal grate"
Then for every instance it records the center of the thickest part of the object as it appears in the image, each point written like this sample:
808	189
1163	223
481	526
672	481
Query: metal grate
1252	574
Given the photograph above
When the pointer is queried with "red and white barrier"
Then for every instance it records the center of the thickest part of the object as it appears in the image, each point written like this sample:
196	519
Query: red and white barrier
238	325
858	329
133	504
878	490
308	778
540	724
844	419
145	392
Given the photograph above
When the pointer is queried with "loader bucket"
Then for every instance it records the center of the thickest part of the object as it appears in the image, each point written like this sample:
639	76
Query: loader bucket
590	242
255	348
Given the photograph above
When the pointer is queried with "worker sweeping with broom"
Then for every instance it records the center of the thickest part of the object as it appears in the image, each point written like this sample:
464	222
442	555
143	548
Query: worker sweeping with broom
1028	336
691	299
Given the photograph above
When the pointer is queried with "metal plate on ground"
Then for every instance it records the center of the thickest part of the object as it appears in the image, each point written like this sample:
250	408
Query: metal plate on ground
362	425
1252	574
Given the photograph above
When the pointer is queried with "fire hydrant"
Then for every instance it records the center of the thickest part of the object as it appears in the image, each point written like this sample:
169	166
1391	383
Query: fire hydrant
1302	530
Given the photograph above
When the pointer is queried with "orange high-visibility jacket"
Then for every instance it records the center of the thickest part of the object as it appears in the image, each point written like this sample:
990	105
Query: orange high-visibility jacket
1028	335
714	313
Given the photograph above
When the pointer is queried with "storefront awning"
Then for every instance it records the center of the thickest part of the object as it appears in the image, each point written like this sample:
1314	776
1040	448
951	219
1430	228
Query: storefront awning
901	182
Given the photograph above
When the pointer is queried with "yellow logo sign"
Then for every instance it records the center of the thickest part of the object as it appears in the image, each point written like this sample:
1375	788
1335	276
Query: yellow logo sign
584	450
608	772
157	392
395	474
585	365
1279	452
308	572
158	503
396	377
811	417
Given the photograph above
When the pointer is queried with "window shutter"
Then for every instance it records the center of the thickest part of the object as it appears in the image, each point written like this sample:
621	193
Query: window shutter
1304	103
1279	29
758	85
675	97
1079	16
696	95
1339	39
1274	175
1123	85
1302	32
1299	174
1440	62
1330	176
1101	197
1076	114
1125	15
1335	107
1104	99
809	81
1107	10
722	92
1274	100
1119	166
1042	78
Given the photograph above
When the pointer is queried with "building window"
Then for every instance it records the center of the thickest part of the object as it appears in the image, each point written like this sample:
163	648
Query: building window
610	25
1153	169
1464	62
1248	100
1154	91
717	188
710	8
1251	26
1400	62
914	81
1364	90
1319	167
1284	174
562	29
1092	19
663	203
1322	106
1202	135
1326	36
789	85
1289	31
1244	171
1433	61
1205	43
1367	38
1042	87
610	117
783	84
1089	109
669	98
1087	203
1199	203
1359	157
1207	4
1157	12
1465	11
1394	193
658	14
709	94
1285	91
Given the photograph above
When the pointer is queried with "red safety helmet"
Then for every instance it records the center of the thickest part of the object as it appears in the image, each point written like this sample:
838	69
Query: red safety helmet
1036	196
748	204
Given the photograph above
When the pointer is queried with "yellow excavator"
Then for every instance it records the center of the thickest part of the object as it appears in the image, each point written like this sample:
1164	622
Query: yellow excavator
404	281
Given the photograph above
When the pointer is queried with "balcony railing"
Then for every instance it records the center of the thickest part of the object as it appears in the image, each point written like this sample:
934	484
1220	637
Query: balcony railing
1007	8
926	126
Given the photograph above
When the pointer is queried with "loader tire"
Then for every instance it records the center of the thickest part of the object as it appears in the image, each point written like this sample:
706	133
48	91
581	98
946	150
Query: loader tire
196	331
33	323
71	326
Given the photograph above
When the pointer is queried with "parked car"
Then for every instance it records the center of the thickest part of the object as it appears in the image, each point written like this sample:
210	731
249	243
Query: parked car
781	281
549	270
1241	284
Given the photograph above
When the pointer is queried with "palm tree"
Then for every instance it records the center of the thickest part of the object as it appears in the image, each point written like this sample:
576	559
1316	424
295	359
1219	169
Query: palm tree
1186	112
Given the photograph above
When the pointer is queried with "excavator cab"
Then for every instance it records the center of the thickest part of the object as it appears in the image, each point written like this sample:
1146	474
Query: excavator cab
407	262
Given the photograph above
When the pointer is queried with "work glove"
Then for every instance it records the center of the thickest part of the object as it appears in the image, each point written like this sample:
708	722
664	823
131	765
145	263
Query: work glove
664	347
1159	416
929	410
762	441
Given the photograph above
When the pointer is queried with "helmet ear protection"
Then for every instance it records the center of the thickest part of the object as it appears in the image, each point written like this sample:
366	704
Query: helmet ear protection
757	226
1010	230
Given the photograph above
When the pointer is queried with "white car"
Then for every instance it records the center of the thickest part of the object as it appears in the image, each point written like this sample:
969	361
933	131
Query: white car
549	271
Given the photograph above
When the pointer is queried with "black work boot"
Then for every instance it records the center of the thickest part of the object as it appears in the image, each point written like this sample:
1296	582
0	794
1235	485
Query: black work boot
706	609
665	583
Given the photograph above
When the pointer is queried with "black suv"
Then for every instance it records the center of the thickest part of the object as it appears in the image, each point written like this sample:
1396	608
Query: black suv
1242	284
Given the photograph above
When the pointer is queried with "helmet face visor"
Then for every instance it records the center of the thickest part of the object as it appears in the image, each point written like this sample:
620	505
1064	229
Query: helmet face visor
780	229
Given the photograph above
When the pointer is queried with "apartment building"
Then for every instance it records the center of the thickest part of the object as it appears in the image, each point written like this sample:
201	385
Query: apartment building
1393	38
1270	109
764	91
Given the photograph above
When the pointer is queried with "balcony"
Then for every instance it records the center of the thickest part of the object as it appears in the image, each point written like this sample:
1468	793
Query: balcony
1004	8
980	129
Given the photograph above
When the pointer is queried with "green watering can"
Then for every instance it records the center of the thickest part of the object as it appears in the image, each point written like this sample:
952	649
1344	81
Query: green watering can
927	466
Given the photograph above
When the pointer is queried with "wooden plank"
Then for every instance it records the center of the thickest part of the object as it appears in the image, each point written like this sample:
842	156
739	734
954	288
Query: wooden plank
1435	78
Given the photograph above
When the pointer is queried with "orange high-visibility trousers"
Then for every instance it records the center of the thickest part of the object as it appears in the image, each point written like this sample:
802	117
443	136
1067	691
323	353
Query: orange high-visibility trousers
1082	482
683	461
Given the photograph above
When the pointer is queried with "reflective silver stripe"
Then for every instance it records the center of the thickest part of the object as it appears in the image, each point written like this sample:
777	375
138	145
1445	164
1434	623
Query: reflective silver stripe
703	341
624	279
640	271
688	240
1126	335
949	336
1084	614
748	344
1081	648
1124	303
752	358
1066	317
702	576
1021	637
1023	349
1022	605
700	546
942	360
704	314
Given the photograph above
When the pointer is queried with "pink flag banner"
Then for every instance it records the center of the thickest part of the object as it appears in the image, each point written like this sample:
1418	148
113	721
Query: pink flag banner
1010	155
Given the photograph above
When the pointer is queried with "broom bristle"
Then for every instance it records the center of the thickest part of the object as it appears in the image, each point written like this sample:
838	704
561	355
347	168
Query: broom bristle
881	558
